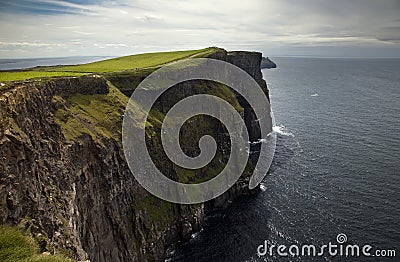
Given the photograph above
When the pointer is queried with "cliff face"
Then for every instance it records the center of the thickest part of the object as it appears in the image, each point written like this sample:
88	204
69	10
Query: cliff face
63	173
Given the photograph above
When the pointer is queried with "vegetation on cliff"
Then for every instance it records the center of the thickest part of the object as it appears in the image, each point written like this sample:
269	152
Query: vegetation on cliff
24	75
15	246
98	115
132	62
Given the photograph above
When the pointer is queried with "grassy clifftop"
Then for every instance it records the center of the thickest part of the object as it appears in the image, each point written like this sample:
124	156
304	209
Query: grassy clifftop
133	62
17	246
125	63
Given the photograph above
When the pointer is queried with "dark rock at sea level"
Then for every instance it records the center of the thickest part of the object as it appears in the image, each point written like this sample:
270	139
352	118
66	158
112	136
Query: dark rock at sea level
267	63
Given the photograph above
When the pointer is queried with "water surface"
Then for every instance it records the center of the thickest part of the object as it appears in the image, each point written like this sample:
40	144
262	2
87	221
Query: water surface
336	167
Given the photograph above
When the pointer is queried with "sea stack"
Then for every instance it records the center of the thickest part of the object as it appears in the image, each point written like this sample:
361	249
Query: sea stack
267	63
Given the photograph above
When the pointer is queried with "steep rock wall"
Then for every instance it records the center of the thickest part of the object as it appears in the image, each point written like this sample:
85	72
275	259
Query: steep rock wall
73	191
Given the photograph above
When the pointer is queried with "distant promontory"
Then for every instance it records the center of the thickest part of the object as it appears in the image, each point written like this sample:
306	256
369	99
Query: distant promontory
267	63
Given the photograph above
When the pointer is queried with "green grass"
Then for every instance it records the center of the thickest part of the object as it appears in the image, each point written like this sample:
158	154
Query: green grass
157	211
15	246
98	115
126	63
132	62
24	75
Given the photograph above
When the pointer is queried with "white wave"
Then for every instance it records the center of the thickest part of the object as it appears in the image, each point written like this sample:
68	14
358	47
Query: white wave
316	94
263	187
281	130
275	130
262	140
196	234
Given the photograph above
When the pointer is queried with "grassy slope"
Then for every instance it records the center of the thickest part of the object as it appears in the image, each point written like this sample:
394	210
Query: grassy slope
106	66
131	62
23	75
98	115
15	246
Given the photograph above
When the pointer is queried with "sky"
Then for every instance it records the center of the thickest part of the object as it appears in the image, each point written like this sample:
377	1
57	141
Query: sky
60	28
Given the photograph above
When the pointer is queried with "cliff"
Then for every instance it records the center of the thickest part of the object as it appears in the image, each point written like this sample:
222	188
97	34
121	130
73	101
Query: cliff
64	178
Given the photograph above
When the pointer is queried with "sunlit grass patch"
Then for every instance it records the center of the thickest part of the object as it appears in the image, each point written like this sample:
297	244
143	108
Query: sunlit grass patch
24	75
133	61
15	246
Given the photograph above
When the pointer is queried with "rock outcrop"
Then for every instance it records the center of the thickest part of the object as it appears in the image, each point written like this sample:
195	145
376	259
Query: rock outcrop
267	63
64	178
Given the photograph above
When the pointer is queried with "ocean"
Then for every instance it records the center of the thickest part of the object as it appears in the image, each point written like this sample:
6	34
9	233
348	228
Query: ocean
336	169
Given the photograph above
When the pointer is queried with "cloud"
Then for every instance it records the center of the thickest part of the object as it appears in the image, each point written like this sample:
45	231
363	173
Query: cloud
117	45
29	44
83	33
124	27
100	45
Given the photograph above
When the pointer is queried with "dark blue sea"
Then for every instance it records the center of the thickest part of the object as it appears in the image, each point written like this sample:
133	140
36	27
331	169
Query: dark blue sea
336	169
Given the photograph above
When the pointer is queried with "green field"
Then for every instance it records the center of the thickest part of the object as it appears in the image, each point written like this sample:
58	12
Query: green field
132	62
23	75
125	63
17	246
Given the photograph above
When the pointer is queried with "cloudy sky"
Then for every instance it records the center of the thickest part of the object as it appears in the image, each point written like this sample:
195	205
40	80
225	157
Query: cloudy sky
57	28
